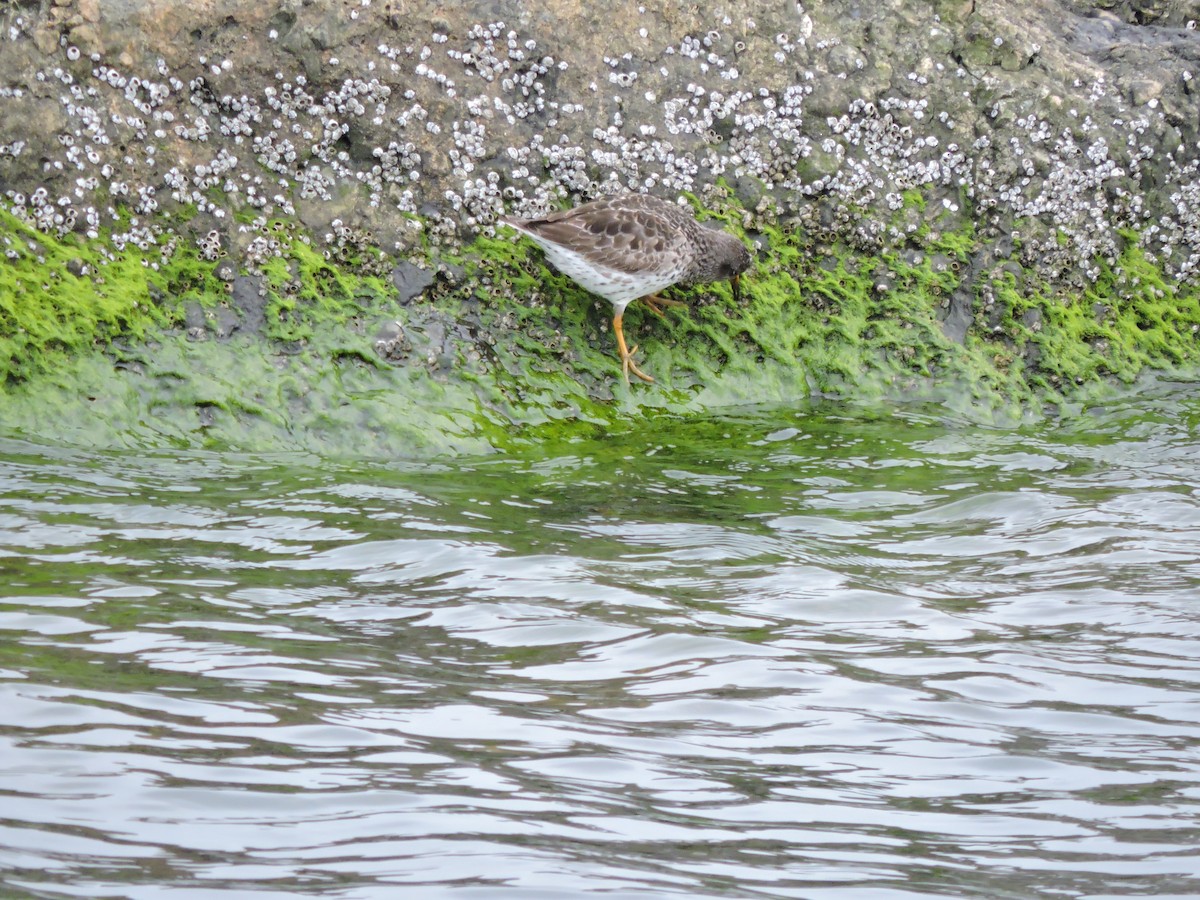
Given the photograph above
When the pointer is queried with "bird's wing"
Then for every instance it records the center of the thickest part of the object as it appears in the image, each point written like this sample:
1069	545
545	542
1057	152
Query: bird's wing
620	237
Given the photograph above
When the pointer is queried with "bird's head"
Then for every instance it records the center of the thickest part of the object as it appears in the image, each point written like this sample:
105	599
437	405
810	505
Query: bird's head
726	260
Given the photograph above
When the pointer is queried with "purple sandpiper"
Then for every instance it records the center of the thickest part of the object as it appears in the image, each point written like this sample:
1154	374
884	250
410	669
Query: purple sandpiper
631	246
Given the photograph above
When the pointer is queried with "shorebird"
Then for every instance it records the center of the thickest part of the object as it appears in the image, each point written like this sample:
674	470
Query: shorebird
633	246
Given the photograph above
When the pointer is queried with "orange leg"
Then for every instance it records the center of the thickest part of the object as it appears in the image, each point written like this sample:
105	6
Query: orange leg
627	365
656	304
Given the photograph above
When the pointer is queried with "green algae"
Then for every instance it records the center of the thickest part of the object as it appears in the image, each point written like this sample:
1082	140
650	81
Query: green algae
60	296
309	293
826	321
237	395
809	323
63	295
1130	320
504	353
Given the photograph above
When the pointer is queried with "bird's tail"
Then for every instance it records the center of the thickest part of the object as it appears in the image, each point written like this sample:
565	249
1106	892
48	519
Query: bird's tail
514	222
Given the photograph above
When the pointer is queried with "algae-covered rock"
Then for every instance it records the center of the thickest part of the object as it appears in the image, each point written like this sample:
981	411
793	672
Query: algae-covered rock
317	183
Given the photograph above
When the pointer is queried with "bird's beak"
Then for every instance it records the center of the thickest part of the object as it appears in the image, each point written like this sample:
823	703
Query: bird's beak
735	283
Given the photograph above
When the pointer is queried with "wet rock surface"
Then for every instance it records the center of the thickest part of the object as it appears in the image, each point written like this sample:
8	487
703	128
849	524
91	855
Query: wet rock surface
411	281
424	122
1018	145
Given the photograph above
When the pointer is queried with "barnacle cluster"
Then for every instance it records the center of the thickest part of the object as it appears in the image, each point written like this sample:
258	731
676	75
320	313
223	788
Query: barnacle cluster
444	133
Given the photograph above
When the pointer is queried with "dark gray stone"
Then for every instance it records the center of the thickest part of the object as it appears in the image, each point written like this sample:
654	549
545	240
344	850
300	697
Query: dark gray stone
193	316
250	299
227	322
411	281
959	315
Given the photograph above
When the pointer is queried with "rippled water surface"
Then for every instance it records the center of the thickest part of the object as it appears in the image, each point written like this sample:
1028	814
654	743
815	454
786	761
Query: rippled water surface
768	655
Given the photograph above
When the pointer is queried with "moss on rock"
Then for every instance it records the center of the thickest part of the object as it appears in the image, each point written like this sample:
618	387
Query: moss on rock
61	295
501	351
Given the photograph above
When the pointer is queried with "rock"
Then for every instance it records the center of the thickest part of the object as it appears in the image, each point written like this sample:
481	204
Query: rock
194	321
870	131
46	39
959	316
411	281
87	38
1144	90
372	154
227	323
392	343
249	298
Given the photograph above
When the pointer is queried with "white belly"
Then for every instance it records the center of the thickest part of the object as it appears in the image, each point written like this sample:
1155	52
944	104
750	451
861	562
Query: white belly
618	288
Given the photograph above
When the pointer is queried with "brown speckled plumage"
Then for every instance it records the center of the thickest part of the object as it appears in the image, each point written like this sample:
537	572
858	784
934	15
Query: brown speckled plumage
632	246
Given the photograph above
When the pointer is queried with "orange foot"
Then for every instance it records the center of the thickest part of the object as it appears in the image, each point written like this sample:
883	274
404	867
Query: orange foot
627	364
656	304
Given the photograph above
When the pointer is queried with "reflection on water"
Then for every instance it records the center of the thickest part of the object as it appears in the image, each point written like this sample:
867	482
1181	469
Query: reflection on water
772	655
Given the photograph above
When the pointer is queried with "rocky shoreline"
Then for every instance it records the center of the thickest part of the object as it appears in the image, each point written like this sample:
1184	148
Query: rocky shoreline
1005	196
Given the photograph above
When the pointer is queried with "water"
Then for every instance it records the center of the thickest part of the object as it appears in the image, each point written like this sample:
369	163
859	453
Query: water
776	654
